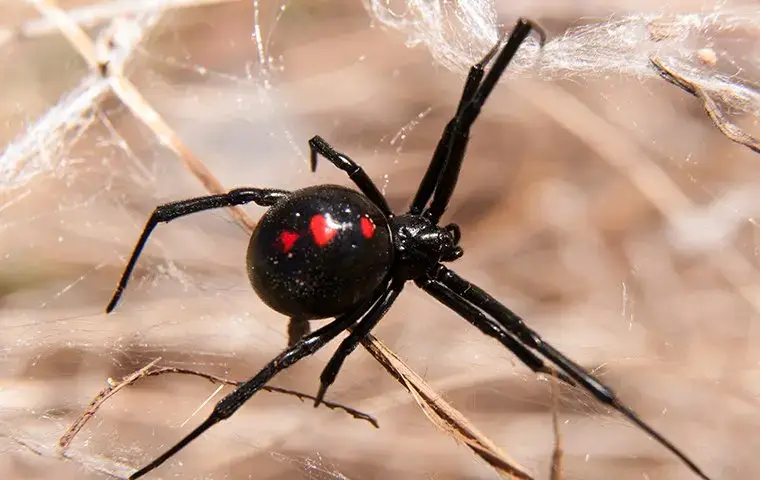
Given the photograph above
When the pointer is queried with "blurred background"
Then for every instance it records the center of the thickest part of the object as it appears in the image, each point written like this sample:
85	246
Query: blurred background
604	207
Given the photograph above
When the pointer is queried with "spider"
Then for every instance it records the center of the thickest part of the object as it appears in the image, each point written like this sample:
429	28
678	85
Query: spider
330	251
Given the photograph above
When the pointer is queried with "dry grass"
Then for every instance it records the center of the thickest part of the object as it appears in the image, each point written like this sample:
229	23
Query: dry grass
611	213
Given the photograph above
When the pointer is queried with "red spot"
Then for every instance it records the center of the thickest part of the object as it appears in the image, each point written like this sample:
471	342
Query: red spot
321	230
288	239
368	228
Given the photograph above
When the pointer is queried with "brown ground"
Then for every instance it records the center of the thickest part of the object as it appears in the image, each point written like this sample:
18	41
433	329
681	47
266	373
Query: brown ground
609	212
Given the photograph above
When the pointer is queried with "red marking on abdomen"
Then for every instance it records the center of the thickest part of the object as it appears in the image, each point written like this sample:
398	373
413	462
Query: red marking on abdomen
321	230
368	228
288	239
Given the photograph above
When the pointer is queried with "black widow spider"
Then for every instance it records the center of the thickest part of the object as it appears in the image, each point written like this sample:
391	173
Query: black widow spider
329	251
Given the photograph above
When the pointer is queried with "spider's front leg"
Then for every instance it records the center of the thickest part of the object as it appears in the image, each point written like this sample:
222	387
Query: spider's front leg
443	171
477	318
265	197
319	146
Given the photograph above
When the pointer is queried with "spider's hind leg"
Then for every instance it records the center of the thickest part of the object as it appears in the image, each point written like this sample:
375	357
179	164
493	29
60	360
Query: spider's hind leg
509	323
298	327
360	330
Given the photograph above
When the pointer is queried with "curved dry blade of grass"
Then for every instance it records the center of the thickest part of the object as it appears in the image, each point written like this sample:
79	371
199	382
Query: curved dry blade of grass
711	106
557	452
441	414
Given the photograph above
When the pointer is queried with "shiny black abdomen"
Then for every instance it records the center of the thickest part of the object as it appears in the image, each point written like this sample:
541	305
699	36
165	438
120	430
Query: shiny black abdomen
319	252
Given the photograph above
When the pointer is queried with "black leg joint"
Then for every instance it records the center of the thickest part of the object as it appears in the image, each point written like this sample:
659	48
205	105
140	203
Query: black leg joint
319	146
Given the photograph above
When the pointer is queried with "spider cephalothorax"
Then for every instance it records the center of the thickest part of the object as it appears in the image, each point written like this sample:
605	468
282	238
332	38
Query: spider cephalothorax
330	251
421	244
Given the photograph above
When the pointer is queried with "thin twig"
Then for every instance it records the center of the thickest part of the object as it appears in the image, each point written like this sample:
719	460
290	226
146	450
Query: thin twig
149	371
268	388
558	452
73	33
71	114
112	71
730	130
102	396
91	15
132	98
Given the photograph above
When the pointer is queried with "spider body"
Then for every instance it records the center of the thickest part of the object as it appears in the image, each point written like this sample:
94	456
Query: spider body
331	251
319	252
420	245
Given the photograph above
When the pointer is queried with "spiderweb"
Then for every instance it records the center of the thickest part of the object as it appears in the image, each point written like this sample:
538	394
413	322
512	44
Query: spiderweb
598	200
457	34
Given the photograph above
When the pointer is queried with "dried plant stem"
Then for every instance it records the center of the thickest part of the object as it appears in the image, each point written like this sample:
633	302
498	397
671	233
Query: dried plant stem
73	33
103	11
112	72
558	452
132	98
438	411
730	130
150	370
267	388
105	394
443	415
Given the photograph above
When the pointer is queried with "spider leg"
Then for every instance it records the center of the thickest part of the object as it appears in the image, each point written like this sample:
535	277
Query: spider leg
510	322
319	145
264	197
298	327
443	149
358	333
489	327
233	401
443	171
